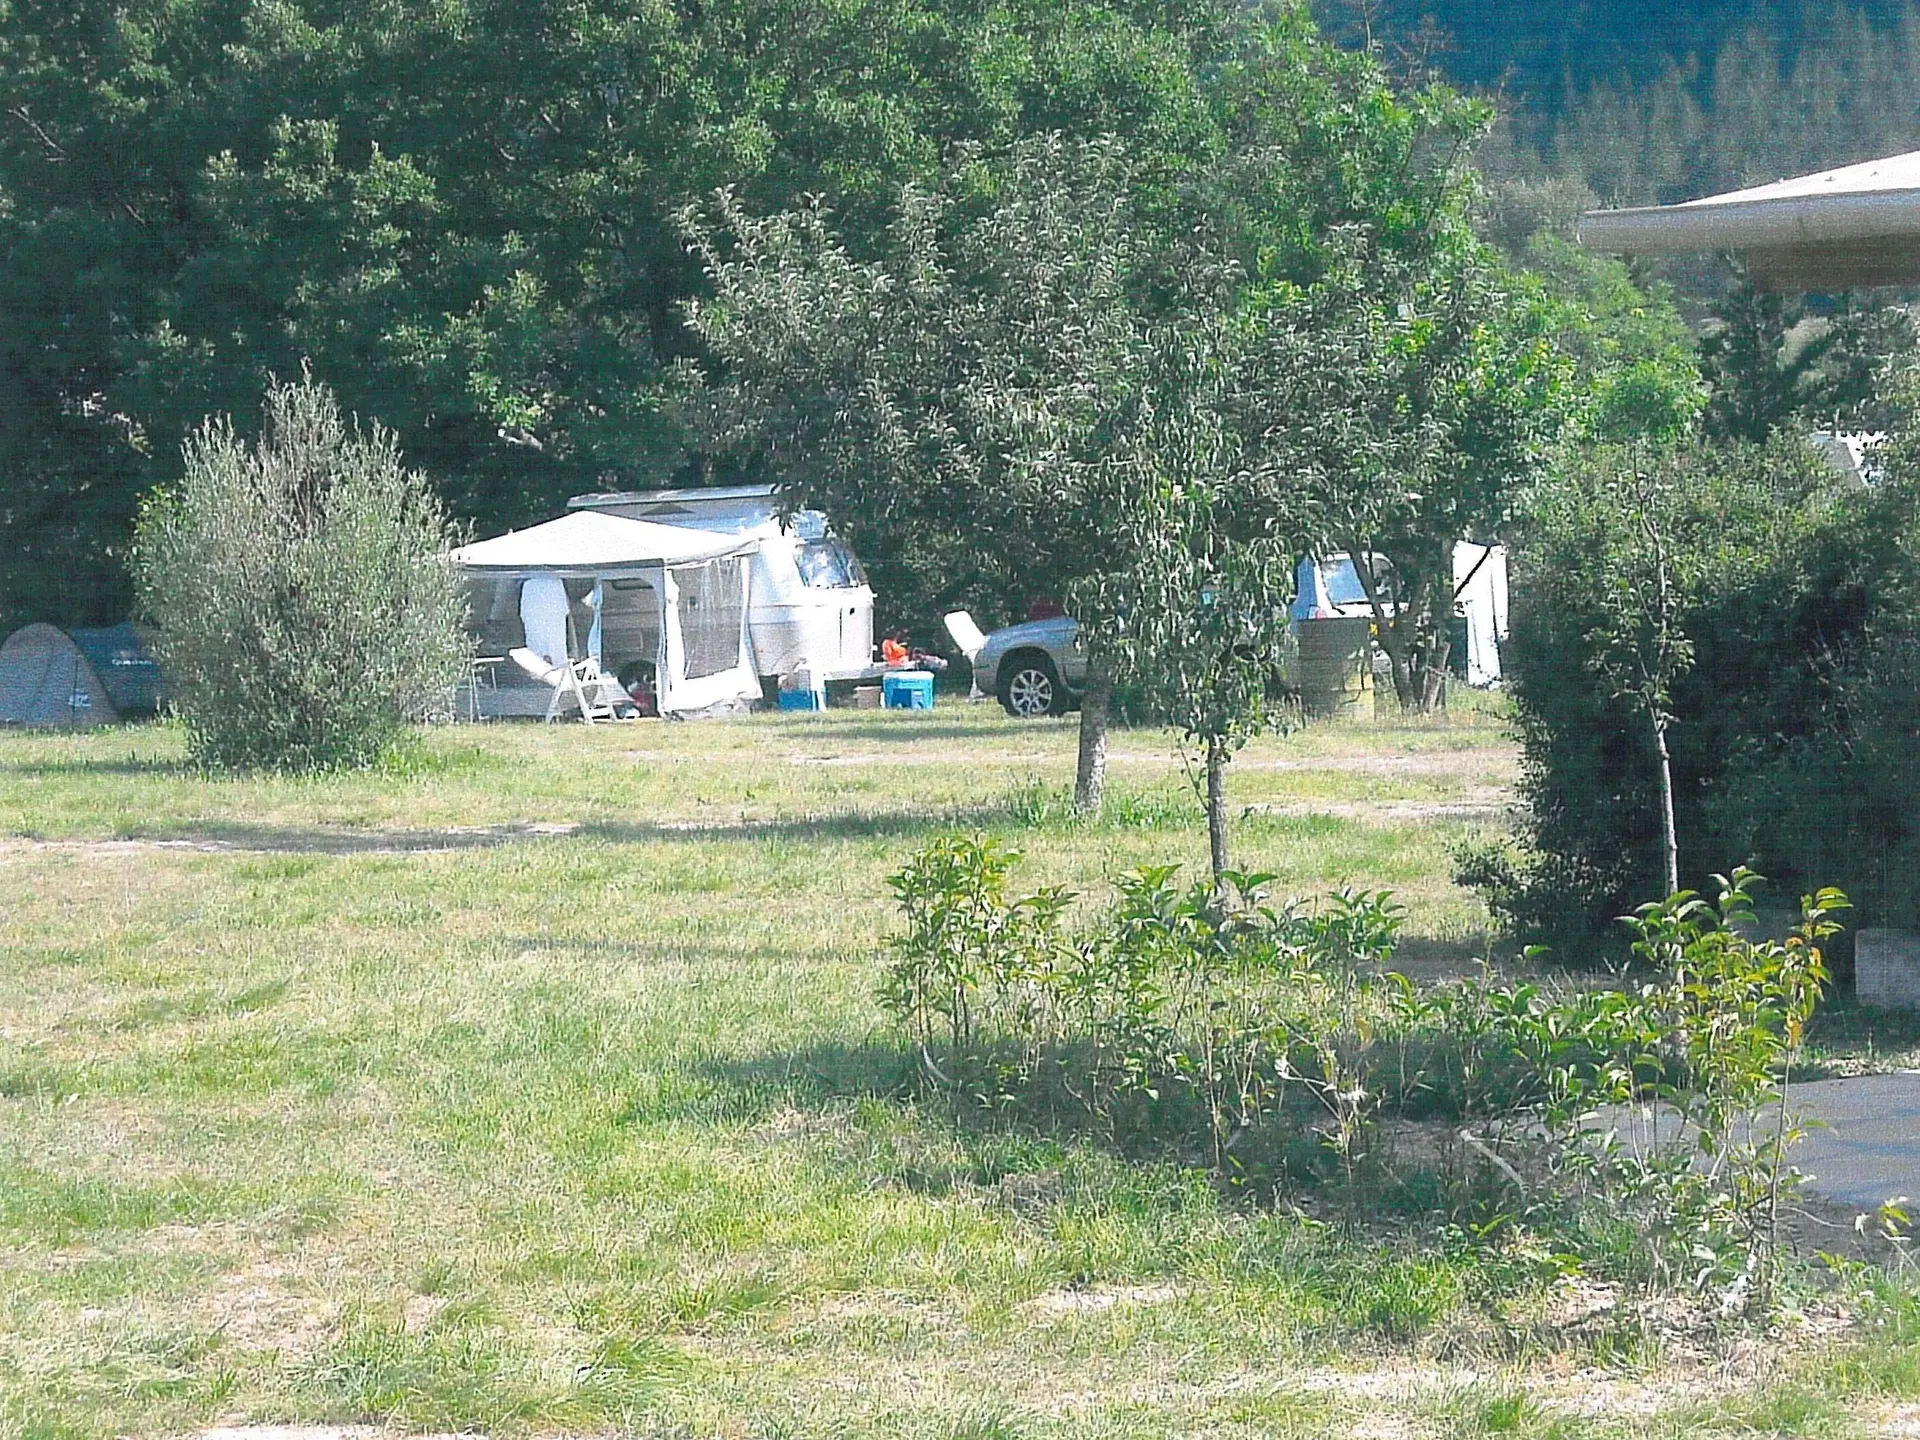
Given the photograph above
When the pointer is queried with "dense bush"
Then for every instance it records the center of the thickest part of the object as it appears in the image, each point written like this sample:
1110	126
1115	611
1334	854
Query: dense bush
1785	578
305	607
1270	1045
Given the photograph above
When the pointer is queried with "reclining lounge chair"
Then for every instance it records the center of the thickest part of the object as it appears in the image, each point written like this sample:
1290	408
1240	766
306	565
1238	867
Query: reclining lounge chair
578	684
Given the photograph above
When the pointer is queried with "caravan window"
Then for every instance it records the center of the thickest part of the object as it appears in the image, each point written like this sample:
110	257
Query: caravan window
829	565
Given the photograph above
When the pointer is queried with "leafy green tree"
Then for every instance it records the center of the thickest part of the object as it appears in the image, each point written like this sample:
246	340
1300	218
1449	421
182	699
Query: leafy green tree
978	386
1200	621
1761	365
462	215
1435	394
305	607
992	378
1635	373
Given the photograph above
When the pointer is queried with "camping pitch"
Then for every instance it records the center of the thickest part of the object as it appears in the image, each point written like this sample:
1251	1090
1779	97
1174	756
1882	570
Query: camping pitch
676	597
50	676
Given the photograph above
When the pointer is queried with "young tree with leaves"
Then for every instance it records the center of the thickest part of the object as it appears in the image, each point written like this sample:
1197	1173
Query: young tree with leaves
972	388
1643	648
1196	610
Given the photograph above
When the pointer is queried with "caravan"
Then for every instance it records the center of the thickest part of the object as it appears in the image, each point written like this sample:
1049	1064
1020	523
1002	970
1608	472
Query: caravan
809	605
694	600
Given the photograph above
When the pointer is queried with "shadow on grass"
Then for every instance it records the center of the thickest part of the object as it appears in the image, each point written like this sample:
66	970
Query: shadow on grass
82	767
241	838
811	1077
1013	811
880	1107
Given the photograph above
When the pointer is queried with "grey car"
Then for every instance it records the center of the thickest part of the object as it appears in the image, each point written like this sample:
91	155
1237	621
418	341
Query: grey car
1036	668
1039	667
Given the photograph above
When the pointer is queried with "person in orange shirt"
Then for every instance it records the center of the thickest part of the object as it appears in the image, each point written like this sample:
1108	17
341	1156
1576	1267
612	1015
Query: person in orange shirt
896	655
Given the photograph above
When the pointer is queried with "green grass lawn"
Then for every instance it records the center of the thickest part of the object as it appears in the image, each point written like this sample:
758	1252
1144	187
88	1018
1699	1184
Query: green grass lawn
537	1084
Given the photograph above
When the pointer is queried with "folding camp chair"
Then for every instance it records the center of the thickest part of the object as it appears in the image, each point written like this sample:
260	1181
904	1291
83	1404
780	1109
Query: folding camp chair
579	683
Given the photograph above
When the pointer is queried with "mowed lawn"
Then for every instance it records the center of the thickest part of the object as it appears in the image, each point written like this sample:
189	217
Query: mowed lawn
538	1085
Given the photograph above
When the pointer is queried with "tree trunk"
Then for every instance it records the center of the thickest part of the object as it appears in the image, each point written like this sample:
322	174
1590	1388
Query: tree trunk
1400	664
1393	639
1217	758
1433	678
1090	778
1669	840
1438	645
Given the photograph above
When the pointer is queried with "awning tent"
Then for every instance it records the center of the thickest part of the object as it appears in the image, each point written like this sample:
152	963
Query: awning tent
1840	229
696	577
588	544
50	676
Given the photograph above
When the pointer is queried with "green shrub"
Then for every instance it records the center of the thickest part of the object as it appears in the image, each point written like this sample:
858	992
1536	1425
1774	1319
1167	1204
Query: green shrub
299	583
1769	550
1265	1045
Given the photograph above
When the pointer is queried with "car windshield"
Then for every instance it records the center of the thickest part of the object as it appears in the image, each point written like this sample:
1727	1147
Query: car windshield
829	565
1343	581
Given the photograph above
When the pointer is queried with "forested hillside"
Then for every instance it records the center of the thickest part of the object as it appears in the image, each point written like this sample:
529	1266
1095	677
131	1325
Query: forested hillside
1647	101
1540	48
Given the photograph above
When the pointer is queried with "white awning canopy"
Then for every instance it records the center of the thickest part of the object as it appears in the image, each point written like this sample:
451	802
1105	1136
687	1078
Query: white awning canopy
588	544
1840	229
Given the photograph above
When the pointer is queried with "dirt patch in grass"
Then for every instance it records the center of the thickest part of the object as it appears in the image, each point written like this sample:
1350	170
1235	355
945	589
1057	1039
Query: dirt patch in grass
1481	805
255	1309
1056	1303
315	840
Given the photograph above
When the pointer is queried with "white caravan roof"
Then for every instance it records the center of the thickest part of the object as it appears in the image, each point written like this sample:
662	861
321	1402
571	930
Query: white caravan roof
587	543
734	509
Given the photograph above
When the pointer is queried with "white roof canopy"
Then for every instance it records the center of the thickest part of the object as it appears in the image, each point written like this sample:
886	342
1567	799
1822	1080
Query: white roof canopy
589	543
1839	229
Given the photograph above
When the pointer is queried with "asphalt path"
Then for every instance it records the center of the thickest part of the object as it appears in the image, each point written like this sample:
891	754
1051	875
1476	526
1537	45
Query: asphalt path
1861	1142
1866	1148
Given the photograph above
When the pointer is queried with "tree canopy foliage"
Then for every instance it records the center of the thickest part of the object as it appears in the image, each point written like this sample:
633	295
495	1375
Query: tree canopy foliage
460	214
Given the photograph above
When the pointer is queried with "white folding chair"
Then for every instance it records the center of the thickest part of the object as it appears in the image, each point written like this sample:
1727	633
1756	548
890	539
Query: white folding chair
966	633
579	683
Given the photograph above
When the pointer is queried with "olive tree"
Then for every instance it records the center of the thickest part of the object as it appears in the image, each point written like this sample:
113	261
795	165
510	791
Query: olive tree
299	583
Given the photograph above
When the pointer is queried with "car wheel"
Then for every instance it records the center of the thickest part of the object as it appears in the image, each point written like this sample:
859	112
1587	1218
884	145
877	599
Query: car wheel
1030	688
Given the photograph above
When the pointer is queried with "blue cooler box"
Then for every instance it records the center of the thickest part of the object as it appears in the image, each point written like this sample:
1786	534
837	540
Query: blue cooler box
801	700
907	689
